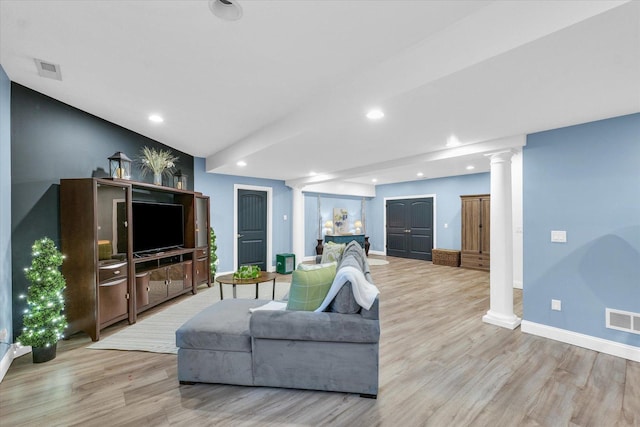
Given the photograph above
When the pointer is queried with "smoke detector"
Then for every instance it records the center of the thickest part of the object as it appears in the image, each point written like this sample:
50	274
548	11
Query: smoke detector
48	70
229	10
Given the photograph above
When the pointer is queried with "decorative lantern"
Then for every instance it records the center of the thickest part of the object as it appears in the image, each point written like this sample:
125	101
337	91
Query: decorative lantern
180	180
120	166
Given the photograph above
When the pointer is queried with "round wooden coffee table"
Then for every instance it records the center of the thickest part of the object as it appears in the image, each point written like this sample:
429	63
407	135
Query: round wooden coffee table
228	279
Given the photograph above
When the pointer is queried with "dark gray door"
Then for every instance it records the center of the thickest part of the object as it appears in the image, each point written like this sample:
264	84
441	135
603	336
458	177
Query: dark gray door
252	228
410	228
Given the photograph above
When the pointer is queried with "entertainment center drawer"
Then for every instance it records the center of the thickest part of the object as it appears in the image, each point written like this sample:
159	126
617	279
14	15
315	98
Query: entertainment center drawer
202	252
112	270
114	298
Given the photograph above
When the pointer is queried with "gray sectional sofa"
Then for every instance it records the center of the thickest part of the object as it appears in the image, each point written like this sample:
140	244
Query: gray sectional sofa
334	350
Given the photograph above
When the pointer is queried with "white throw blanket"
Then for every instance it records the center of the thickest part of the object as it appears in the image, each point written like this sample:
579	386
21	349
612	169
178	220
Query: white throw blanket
271	305
364	292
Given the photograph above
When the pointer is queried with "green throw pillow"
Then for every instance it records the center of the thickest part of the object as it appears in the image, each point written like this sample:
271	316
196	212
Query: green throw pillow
309	287
332	252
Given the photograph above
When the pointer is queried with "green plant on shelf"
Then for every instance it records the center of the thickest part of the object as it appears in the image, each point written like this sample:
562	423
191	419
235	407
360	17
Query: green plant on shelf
247	272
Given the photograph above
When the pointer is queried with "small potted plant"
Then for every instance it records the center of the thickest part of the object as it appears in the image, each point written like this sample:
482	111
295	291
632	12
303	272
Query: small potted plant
44	321
160	162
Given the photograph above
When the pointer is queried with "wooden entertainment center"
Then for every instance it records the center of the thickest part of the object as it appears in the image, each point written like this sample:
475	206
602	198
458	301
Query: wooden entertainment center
106	281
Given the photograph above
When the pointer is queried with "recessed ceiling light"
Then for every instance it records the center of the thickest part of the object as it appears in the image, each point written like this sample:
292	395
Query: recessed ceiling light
453	141
312	173
470	167
420	174
374	180
229	10
156	118
375	114
241	163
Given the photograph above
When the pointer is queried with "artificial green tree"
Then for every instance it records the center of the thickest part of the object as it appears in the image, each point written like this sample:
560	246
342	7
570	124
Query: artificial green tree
213	258
44	320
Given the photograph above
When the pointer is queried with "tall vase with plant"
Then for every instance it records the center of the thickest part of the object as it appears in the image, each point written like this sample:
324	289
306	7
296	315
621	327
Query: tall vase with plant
159	162
44	320
213	258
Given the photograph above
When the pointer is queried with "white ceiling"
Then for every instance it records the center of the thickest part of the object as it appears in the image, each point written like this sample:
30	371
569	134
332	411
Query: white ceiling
286	87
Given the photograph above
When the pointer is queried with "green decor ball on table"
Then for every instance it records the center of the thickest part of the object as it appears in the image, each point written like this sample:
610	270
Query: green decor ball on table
247	272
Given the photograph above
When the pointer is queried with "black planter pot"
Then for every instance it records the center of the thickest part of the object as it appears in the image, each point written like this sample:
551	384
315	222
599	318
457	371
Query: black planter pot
43	354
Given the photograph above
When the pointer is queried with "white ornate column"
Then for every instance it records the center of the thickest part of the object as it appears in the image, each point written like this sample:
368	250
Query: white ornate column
297	224
501	275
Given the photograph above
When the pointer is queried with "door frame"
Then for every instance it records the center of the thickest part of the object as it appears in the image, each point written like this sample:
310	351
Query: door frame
410	197
269	192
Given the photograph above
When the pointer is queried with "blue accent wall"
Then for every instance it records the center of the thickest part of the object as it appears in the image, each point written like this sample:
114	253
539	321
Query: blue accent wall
51	140
220	189
6	318
585	180
447	193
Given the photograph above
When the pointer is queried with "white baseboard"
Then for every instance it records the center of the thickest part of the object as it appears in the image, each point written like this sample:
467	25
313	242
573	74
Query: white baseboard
496	319
581	340
5	362
14	352
378	253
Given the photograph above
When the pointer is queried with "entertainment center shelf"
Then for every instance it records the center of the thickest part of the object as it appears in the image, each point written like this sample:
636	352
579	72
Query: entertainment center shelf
129	246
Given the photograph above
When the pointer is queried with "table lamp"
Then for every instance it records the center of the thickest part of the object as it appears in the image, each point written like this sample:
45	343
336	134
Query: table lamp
328	227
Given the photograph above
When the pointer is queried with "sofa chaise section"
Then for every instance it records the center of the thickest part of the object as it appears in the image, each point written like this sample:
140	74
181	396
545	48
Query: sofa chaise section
214	346
317	351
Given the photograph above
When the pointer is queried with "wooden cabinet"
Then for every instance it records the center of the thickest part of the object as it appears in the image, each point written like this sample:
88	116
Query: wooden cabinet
96	242
476	231
202	266
113	292
162	278
106	281
202	274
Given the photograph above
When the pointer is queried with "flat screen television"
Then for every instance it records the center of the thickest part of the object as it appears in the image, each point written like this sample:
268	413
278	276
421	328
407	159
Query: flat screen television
156	226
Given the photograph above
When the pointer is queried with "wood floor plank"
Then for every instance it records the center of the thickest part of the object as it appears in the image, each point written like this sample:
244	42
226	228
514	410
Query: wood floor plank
440	365
631	402
604	390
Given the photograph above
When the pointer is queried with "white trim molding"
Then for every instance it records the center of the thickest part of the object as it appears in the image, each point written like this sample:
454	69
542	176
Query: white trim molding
601	345
14	352
269	192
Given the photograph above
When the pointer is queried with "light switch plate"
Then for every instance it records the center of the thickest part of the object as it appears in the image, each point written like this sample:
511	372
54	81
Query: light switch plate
558	236
556	305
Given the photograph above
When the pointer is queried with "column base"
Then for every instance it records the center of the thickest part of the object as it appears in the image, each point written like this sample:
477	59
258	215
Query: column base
497	319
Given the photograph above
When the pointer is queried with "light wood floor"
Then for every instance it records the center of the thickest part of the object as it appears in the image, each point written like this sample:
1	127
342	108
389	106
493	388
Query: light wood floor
439	366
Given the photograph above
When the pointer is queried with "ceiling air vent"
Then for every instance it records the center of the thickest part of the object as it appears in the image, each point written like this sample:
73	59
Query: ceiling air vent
623	320
48	70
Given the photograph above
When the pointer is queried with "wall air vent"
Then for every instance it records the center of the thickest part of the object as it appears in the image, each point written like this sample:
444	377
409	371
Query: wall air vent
623	320
48	70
